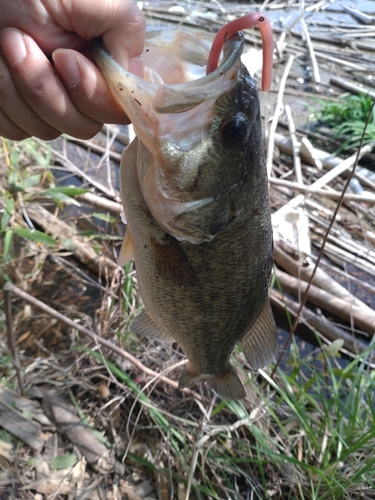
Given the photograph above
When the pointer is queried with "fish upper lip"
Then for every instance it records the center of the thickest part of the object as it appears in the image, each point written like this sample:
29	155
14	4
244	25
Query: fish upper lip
199	90
146	104
189	93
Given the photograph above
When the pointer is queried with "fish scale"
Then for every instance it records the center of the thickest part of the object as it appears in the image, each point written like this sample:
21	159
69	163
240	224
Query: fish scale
201	235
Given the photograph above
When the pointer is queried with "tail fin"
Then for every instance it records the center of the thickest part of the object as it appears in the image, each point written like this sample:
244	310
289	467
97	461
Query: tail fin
227	386
189	377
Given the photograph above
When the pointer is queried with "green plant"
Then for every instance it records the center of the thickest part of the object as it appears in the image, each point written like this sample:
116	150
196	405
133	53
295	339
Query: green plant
309	434
347	117
23	185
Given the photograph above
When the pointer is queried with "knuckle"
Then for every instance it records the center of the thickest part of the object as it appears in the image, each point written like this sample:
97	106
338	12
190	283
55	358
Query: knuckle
36	89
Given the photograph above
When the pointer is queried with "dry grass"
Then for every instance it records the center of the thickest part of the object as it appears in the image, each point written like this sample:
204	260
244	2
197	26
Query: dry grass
308	432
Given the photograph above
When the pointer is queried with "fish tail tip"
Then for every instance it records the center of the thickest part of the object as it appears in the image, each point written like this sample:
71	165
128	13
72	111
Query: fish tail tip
227	386
189	377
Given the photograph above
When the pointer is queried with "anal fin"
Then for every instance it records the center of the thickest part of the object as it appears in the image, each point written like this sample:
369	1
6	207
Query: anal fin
259	343
127	249
145	325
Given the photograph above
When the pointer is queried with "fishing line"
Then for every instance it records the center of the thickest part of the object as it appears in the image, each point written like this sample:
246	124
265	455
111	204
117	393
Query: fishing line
320	255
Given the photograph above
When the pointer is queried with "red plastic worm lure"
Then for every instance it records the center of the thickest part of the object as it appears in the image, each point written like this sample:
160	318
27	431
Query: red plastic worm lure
248	21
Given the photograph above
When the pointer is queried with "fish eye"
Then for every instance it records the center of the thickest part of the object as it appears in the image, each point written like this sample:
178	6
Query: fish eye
234	130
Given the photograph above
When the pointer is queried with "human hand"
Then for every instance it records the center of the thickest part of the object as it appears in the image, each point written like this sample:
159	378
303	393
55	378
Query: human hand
37	101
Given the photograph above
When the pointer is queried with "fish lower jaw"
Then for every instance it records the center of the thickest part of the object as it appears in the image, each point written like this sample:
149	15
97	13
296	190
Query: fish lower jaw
190	234
169	214
164	201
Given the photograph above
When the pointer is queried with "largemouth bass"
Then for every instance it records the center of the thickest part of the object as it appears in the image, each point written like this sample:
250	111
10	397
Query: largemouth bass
195	196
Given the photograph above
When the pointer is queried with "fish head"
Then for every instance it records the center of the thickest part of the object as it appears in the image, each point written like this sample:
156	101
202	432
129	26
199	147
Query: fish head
199	135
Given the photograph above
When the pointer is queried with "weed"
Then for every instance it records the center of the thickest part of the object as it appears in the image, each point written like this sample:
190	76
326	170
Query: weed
22	186
310	434
347	118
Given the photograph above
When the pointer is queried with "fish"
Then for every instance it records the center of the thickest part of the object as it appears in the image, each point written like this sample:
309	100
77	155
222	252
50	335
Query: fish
195	195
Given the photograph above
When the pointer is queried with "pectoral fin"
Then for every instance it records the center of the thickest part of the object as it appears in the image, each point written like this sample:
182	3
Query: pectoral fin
172	262
227	386
259	344
145	325
127	249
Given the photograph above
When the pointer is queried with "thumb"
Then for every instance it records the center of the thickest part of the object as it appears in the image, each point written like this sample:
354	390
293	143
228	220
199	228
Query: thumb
125	39
120	23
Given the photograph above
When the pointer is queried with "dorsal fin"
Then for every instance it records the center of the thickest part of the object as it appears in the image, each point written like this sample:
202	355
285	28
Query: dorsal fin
259	343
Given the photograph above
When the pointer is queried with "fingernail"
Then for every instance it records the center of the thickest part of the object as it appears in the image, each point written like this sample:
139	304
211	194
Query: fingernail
13	45
67	66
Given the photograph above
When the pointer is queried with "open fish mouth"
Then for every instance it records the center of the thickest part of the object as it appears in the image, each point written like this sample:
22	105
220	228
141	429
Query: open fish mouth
172	110
177	111
178	87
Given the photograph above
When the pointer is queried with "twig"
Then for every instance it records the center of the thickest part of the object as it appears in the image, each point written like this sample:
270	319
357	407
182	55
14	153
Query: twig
100	203
332	174
344	165
338	254
310	150
338	38
321	251
9	287
24	211
287	29
321	278
10	337
328	161
347	276
358	15
96	148
320	5
362	66
331	194
278	110
351	86
74	270
321	326
71	167
64	234
311	51
199	442
120	137
295	146
106	158
363	318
